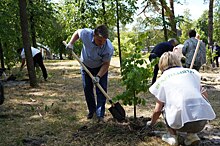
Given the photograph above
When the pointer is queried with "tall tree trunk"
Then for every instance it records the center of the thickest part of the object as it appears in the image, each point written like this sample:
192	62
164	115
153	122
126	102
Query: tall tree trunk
2	56
104	12
82	10
171	16
33	32
118	31
164	22
210	23
172	20
26	43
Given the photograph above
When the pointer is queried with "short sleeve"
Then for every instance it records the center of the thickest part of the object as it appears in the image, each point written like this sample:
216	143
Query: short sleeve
158	91
109	52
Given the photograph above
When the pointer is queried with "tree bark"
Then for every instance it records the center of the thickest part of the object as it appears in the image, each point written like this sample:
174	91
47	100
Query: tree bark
172	20
164	22
210	23
118	32
33	32
171	16
2	56
26	43
104	12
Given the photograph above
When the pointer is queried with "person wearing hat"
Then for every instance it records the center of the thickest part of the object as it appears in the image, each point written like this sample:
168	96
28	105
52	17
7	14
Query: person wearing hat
96	55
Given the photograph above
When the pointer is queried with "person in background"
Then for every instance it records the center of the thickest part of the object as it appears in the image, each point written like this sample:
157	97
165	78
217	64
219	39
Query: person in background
158	50
217	53
37	58
178	51
181	100
189	48
96	55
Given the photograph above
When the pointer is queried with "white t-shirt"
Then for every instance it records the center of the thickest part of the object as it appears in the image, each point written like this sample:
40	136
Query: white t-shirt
34	52
179	90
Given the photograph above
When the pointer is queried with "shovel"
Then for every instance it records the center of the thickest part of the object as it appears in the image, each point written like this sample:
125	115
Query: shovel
195	54
116	109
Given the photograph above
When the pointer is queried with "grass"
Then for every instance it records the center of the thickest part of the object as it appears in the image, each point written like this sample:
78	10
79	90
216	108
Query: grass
54	114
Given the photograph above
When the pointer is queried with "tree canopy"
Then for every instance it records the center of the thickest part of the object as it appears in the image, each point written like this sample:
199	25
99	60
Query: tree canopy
50	23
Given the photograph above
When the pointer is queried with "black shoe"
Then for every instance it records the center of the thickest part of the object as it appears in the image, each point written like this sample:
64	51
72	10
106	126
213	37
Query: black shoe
90	115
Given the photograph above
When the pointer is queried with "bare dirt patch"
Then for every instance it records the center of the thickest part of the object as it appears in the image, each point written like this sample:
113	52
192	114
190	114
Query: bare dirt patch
54	114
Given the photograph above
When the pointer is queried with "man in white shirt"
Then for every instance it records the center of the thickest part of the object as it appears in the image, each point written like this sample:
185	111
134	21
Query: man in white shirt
37	58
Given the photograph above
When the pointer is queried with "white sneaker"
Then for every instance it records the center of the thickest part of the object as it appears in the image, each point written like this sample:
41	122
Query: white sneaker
171	139
192	139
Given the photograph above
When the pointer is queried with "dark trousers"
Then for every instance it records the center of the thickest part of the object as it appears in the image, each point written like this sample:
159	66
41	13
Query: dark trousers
216	60
88	86
156	69
38	59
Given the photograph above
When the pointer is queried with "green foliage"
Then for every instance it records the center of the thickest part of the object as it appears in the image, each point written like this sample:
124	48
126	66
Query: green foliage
136	72
210	55
185	26
202	26
216	24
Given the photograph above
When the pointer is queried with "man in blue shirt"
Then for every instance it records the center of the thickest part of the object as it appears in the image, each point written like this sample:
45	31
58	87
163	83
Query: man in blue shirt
158	50
96	56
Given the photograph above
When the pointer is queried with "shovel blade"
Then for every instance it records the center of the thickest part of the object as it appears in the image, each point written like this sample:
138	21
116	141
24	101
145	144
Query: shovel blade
117	112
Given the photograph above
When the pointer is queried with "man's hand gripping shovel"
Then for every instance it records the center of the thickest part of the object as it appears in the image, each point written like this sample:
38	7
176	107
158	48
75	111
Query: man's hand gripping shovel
116	109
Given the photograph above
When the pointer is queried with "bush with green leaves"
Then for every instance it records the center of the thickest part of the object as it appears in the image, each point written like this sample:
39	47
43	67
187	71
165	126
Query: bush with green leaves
210	55
136	74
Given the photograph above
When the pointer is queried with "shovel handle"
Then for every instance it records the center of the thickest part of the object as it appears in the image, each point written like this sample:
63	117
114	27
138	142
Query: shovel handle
91	76
195	54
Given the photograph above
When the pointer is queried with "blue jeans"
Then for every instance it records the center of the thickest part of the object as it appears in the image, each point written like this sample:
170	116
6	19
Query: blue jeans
88	86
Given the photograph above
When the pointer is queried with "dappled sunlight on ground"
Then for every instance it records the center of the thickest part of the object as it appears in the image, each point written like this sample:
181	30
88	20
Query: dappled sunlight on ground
54	113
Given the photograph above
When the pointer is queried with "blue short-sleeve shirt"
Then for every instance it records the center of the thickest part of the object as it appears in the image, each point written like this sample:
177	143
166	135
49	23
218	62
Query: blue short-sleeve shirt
92	55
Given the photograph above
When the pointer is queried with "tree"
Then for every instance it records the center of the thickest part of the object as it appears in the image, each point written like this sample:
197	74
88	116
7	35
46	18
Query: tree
26	42
153	5
210	23
118	32
216	25
185	26
164	22
136	73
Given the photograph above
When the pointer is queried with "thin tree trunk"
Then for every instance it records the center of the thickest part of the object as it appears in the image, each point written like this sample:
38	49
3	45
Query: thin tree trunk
104	12
210	23
118	32
171	16
164	22
2	56
135	103
33	32
26	43
172	20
